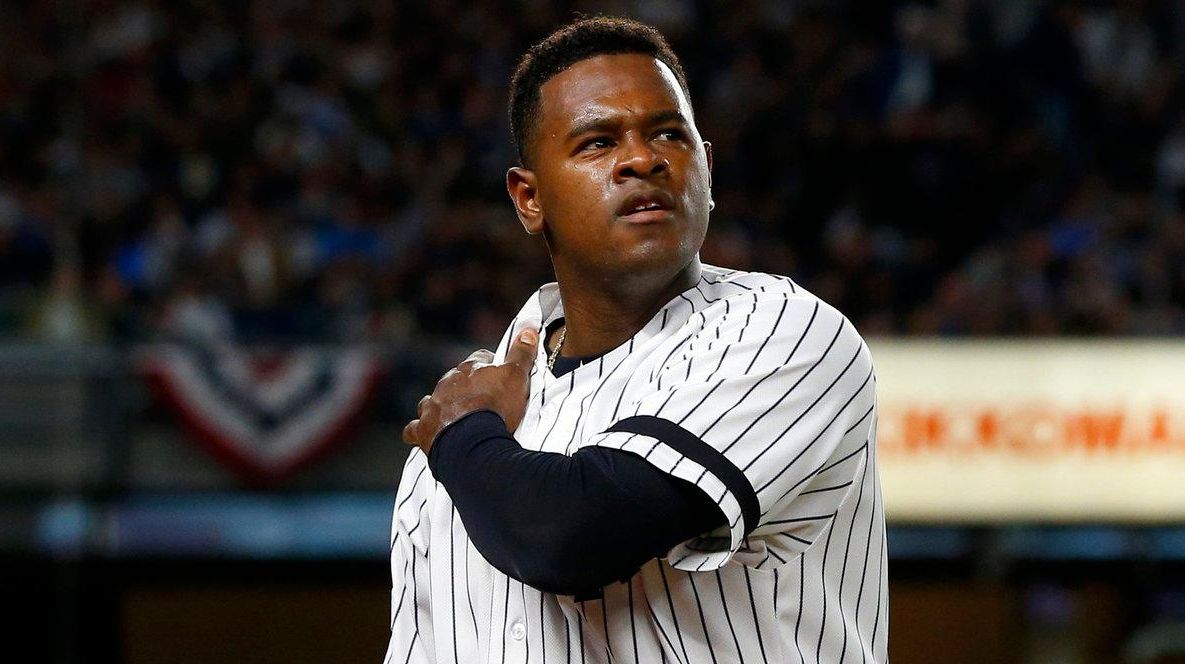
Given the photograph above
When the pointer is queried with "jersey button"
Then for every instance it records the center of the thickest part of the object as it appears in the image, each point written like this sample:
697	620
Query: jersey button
518	631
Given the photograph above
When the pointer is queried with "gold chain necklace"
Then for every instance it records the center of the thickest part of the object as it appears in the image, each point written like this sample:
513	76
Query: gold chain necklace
559	343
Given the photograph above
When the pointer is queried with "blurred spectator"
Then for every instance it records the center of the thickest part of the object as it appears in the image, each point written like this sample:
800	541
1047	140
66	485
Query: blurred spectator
282	172
1158	643
66	315
194	315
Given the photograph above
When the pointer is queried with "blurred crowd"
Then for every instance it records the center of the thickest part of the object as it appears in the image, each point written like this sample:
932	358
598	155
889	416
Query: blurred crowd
333	170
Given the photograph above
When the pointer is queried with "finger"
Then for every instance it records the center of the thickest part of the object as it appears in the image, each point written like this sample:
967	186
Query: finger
522	351
480	355
423	402
447	375
476	359
410	432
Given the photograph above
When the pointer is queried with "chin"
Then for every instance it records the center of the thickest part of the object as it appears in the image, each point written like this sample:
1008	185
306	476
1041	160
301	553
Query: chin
658	257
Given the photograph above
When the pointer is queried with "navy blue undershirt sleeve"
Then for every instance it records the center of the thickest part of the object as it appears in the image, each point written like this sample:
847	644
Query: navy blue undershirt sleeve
563	524
687	444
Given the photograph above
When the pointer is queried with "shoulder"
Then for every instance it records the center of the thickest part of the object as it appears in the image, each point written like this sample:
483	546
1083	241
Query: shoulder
725	282
541	303
539	309
767	301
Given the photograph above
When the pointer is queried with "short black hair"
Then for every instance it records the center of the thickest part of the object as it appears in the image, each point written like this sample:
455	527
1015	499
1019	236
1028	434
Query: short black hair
577	41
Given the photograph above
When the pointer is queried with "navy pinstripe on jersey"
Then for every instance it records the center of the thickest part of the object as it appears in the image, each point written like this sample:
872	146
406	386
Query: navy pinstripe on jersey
745	385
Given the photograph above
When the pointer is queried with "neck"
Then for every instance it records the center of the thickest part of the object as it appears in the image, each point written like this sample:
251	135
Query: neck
601	315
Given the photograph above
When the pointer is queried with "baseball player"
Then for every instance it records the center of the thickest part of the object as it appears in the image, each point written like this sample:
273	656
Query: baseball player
663	461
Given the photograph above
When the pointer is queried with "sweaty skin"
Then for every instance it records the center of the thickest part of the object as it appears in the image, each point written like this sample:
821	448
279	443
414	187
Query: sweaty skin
697	479
473	385
615	132
613	128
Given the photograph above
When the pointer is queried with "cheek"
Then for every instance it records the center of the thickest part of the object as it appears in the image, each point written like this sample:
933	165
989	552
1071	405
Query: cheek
699	177
575	193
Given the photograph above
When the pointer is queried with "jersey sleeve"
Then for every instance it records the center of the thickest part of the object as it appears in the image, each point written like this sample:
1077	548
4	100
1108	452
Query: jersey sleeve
411	617
763	404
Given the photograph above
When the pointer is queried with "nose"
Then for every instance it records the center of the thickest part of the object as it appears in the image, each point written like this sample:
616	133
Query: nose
639	159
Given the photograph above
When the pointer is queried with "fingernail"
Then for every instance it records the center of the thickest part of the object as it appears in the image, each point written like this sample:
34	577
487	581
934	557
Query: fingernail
529	337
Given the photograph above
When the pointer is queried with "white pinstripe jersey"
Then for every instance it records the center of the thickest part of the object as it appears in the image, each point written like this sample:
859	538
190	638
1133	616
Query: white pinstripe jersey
777	391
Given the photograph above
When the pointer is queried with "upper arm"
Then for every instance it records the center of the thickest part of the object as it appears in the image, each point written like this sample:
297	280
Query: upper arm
410	618
751	408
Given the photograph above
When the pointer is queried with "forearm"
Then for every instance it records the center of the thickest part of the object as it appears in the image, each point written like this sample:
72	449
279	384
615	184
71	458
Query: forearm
563	524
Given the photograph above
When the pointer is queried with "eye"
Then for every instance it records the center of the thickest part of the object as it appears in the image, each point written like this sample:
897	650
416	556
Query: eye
671	134
596	143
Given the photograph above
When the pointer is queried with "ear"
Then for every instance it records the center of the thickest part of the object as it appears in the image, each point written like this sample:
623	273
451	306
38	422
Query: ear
521	185
708	152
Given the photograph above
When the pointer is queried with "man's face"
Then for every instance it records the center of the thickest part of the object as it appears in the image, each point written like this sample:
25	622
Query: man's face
621	176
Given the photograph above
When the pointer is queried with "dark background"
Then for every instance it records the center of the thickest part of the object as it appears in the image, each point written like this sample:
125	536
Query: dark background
331	173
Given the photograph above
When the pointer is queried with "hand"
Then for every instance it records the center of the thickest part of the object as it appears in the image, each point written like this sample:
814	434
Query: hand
477	384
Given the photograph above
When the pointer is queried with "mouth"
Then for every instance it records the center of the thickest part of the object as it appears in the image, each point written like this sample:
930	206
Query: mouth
646	208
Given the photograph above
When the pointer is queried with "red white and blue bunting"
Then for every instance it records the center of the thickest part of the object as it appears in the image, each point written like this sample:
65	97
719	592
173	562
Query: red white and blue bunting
265	414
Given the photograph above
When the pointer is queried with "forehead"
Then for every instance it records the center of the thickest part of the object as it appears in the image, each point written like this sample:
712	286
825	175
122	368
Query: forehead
609	86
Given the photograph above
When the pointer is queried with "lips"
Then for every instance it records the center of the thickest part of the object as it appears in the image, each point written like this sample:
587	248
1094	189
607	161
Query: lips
646	207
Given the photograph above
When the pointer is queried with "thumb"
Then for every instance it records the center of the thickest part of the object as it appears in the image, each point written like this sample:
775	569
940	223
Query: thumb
523	349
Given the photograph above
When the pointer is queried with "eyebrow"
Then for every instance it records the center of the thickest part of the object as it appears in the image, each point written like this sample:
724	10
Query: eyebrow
600	123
